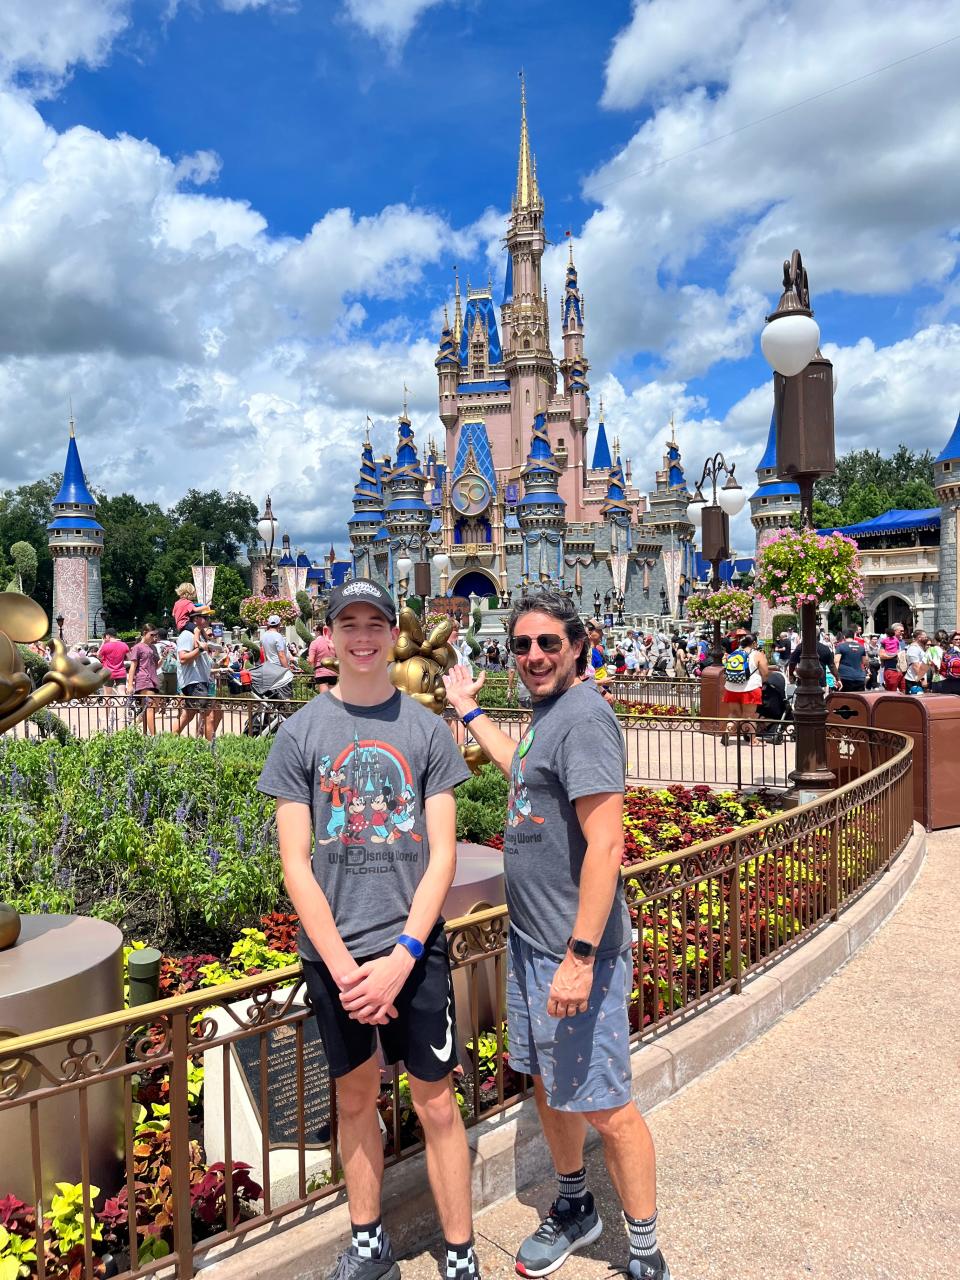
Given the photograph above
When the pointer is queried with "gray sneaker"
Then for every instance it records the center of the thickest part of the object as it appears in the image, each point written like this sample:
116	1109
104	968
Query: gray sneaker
564	1230
350	1266
654	1268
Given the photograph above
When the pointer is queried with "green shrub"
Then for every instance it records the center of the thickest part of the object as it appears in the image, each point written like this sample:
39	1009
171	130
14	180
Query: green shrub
783	622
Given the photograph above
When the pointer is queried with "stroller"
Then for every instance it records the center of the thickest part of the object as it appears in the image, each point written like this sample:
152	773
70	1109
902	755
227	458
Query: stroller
776	707
270	686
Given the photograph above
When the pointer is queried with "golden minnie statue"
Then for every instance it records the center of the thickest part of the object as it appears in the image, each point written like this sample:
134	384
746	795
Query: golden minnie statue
22	621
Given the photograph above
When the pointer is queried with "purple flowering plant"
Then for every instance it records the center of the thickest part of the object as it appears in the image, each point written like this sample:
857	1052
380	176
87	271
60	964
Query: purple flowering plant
729	604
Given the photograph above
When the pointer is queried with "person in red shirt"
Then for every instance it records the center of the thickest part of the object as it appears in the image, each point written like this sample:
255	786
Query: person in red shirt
112	653
321	647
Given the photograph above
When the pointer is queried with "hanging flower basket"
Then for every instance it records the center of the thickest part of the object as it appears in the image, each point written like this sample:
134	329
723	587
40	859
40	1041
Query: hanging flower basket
729	604
255	610
802	566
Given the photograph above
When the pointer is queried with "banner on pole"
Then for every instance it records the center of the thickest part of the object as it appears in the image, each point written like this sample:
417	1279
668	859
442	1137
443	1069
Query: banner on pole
203	578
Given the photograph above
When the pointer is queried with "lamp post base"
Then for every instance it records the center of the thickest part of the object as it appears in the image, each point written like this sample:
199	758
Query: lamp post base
810	713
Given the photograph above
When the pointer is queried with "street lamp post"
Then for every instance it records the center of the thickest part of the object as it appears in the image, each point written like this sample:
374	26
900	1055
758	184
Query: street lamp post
803	414
402	567
60	620
267	529
713	519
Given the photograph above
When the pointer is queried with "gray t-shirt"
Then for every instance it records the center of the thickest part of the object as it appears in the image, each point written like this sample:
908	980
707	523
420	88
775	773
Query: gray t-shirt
198	670
573	748
273	643
365	772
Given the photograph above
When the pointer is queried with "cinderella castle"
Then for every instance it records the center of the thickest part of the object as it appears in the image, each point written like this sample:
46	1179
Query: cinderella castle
522	490
514	494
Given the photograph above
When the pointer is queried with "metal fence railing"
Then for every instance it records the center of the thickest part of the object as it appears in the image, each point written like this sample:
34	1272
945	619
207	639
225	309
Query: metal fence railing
705	918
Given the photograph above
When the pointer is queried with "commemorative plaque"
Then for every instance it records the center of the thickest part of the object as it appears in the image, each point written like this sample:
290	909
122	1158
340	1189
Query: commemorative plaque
283	1120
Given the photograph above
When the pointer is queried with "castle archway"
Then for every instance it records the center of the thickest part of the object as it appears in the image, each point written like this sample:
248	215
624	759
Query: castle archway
892	608
475	581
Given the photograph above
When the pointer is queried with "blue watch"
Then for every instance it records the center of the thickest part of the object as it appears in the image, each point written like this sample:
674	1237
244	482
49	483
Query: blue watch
472	715
413	945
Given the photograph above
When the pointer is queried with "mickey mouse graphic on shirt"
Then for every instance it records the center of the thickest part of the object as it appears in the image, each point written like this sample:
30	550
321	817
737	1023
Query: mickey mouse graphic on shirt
518	801
371	796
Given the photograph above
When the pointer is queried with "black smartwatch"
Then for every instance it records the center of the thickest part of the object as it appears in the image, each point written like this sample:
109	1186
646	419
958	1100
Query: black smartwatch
582	950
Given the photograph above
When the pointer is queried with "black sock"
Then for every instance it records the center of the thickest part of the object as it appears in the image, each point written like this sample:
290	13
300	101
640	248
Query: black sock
572	1187
643	1235
461	1261
367	1238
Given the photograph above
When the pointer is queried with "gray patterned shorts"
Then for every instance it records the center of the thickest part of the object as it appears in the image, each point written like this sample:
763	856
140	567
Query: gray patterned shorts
584	1061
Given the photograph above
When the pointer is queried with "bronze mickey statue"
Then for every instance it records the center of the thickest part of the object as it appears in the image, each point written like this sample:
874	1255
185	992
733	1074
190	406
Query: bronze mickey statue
419	662
22	621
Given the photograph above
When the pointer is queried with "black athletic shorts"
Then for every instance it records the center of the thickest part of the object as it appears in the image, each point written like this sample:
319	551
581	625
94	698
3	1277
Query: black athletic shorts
423	1035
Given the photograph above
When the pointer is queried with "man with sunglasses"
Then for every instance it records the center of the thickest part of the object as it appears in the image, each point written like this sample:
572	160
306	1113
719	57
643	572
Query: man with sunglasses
570	969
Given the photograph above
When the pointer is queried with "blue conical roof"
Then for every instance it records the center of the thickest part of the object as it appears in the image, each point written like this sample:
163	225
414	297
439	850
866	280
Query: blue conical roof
951	450
74	489
601	450
508	281
770	485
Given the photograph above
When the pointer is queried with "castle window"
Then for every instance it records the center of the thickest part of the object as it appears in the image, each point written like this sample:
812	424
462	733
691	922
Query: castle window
764	501
948	466
528	396
526	344
561	443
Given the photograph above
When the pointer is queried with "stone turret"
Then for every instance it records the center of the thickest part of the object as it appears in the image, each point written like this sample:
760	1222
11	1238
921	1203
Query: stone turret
76	544
406	514
541	512
946	478
367	519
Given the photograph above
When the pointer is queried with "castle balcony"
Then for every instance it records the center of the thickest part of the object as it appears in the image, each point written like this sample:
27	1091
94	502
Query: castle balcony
906	563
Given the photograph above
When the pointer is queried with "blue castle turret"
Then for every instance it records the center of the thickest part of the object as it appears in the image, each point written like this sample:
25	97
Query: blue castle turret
541	512
774	501
367	519
406	515
76	544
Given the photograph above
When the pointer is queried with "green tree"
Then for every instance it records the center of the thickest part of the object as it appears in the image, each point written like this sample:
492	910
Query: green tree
24	516
23	557
225	523
229	588
865	484
134	532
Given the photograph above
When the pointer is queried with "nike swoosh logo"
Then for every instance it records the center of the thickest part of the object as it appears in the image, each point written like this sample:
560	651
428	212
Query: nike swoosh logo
444	1052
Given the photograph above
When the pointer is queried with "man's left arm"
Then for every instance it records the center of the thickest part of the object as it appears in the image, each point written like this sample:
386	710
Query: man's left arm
378	982
601	821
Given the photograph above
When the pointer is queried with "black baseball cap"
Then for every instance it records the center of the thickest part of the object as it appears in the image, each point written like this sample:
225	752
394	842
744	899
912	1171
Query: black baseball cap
361	591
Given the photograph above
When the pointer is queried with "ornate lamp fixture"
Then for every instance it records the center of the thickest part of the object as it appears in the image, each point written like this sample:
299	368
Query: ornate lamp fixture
267	530
713	520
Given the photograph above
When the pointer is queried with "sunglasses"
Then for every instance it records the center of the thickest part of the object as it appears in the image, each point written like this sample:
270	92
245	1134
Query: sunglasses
521	645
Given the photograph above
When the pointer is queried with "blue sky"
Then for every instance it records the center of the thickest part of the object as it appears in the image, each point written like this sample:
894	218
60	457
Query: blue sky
230	224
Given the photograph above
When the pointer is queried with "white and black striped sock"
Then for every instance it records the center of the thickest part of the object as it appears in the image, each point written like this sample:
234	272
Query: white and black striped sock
572	1186
643	1235
461	1262
367	1239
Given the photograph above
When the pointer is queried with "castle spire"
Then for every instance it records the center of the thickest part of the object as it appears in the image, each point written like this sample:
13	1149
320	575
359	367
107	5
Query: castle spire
527	192
457	311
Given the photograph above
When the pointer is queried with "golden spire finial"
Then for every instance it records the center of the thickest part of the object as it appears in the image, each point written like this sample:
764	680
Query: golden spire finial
526	166
72	423
673	431
601	406
366	430
446	316
406	393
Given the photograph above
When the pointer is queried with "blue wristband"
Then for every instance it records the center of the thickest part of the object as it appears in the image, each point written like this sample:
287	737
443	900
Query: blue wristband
472	715
413	945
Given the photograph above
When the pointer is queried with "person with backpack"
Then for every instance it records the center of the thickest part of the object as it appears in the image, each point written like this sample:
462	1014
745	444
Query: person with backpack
744	671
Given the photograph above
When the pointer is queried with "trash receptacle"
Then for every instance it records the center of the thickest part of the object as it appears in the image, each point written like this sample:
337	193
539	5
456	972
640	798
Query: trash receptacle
851	757
711	692
933	722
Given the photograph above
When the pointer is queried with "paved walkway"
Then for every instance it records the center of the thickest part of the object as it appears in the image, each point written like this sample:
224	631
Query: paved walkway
825	1150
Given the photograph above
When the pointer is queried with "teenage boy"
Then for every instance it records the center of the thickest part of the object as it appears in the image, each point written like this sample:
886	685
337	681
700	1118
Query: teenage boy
569	972
366	776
